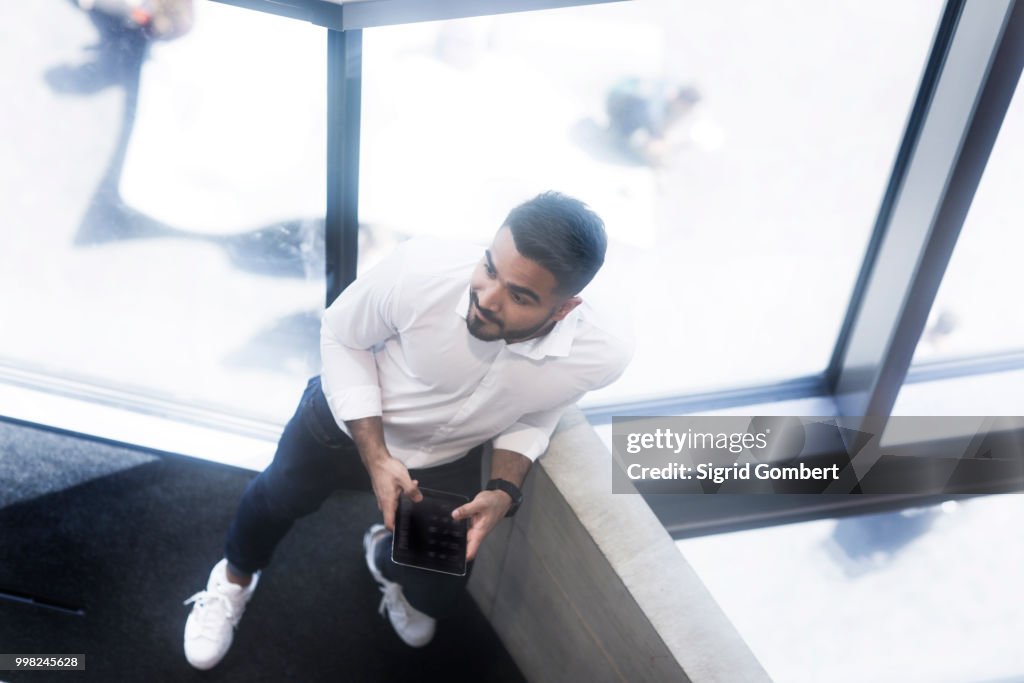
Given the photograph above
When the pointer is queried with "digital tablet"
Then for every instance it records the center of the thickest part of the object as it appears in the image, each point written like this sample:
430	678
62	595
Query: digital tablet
426	536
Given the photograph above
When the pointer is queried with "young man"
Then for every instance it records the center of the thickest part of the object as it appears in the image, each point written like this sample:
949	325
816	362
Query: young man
438	349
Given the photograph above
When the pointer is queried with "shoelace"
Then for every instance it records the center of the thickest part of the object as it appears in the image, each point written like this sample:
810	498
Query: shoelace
207	599
392	599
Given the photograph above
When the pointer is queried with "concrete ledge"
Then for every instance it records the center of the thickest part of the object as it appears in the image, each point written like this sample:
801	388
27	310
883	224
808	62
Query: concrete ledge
586	585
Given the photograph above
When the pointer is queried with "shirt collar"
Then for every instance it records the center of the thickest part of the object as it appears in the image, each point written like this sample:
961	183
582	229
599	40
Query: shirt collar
557	342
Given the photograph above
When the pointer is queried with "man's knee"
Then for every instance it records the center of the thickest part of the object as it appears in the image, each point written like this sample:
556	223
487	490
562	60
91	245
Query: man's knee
284	499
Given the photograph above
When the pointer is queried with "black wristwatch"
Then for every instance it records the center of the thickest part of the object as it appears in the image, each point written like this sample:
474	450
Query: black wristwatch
511	489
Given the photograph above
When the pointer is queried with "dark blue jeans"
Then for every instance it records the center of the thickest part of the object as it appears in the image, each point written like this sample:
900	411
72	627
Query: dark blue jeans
314	458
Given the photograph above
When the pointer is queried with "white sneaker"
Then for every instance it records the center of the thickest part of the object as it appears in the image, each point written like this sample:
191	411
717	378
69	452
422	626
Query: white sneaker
414	627
211	624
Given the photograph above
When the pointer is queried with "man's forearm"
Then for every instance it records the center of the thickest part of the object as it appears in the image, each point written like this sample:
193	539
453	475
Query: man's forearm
368	433
388	476
510	466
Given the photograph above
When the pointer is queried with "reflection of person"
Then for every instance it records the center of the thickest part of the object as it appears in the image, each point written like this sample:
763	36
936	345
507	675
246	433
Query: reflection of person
116	59
126	29
438	349
644	116
158	19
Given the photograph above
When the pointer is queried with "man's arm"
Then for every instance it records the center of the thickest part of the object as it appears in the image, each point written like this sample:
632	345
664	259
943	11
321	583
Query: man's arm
388	476
518	446
366	314
515	449
488	507
510	466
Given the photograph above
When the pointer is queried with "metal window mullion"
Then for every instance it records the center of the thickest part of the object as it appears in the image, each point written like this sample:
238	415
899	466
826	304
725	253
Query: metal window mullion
788	390
390	12
964	114
349	15
912	133
344	97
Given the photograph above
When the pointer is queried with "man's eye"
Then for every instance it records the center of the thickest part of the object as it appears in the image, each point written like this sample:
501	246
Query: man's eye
518	299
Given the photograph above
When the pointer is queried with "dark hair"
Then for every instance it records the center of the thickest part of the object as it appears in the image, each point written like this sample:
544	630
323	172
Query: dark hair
561	234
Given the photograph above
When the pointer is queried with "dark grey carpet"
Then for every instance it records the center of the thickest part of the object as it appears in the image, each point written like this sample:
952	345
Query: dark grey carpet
126	536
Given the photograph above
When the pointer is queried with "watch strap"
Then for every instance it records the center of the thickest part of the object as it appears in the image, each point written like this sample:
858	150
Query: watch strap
511	489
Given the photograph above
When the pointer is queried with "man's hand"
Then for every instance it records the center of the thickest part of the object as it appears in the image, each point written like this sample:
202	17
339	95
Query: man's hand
483	512
388	476
390	479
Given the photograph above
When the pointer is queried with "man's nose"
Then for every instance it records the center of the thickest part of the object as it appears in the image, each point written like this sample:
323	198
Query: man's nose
489	299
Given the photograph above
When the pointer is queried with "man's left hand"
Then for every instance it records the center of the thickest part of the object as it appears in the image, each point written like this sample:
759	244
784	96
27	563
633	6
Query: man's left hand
483	512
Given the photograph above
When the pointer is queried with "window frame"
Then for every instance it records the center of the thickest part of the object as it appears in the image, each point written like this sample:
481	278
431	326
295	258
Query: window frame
970	76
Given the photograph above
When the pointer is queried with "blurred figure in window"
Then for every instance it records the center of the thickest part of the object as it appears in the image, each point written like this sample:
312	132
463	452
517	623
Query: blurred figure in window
126	29
157	19
646	117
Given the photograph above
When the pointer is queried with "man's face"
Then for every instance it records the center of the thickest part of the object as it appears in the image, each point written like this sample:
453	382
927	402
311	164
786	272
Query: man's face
512	297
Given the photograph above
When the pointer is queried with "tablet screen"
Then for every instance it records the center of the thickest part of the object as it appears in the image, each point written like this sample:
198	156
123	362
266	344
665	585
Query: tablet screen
427	537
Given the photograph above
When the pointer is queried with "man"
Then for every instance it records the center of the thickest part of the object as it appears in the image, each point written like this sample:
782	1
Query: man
438	349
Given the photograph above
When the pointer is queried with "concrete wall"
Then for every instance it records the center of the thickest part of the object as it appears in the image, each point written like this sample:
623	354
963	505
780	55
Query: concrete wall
584	585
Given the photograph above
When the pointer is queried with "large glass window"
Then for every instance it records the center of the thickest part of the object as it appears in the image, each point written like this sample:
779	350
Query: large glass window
162	203
737	156
913	595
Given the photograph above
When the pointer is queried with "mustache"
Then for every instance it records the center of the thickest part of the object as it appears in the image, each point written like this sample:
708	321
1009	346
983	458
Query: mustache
484	313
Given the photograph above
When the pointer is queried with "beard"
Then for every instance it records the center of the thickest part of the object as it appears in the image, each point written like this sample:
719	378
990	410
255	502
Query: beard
476	326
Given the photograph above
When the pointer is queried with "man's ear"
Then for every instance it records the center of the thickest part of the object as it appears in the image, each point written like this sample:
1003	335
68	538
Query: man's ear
566	307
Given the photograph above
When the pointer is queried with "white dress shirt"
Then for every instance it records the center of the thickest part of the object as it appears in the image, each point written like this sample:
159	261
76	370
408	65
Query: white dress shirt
395	344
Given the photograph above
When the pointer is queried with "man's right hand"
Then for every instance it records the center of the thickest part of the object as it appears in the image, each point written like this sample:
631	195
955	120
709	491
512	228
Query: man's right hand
388	476
390	479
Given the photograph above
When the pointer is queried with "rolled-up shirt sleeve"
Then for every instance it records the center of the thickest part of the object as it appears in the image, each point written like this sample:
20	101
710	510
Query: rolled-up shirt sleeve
531	433
362	317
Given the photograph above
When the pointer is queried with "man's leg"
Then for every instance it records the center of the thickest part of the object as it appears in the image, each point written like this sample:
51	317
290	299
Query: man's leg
311	461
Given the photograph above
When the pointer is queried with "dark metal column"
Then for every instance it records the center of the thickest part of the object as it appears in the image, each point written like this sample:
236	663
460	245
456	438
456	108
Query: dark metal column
979	74
911	136
344	98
